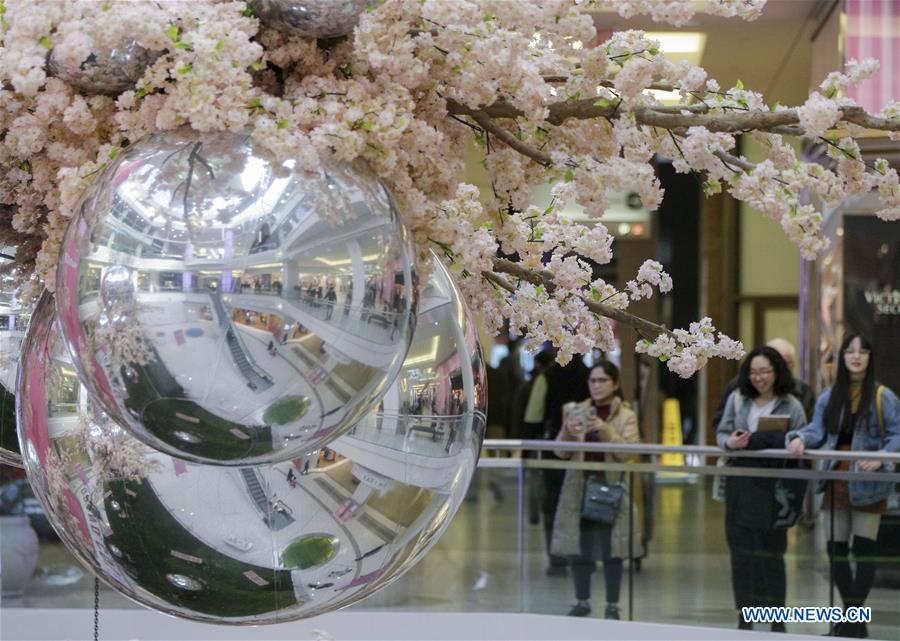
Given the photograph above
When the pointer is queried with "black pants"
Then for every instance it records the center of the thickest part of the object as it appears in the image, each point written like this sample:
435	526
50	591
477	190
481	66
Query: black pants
757	564
596	535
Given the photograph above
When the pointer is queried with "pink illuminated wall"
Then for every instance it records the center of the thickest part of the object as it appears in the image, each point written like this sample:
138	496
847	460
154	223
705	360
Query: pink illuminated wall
873	31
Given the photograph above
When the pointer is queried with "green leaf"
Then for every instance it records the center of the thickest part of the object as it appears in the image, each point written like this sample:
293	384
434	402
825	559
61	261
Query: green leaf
172	32
25	165
830	92
2	8
489	18
141	93
595	294
346	70
45	42
113	153
255	103
219	44
456	69
256	66
739	85
248	13
182	45
775	105
282	123
570	176
653	51
603	102
185	68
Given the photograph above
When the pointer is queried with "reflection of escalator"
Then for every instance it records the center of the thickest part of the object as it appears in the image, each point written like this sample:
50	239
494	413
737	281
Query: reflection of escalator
273	516
257	379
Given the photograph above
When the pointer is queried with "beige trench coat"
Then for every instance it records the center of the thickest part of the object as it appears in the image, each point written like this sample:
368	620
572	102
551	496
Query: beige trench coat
566	523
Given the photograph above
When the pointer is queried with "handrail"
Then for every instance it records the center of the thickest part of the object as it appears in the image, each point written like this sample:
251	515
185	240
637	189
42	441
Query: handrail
505	445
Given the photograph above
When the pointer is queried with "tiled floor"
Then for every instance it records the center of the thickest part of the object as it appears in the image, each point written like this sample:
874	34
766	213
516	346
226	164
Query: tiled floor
491	560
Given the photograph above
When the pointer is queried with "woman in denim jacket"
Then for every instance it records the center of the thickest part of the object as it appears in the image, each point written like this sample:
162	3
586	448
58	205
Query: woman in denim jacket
756	537
847	418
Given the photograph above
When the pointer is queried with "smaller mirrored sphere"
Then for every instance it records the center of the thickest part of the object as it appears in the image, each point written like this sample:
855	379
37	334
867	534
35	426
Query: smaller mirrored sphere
108	73
230	308
311	18
266	543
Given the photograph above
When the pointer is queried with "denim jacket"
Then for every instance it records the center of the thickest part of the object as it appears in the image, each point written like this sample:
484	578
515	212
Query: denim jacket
866	438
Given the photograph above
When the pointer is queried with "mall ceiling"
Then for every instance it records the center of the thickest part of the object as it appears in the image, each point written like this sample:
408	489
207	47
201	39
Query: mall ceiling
772	54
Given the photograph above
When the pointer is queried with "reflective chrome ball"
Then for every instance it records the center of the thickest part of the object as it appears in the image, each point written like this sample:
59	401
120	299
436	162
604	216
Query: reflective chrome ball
108	73
310	18
260	544
229	308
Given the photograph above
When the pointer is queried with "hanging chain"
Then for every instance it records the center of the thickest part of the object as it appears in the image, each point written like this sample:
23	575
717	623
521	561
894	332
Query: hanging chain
96	609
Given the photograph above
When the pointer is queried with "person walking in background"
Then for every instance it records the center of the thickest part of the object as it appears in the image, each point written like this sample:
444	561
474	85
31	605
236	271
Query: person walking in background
756	540
533	428
602	417
859	415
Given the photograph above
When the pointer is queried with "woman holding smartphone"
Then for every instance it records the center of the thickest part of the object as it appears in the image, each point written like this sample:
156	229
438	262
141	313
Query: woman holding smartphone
854	414
756	543
603	417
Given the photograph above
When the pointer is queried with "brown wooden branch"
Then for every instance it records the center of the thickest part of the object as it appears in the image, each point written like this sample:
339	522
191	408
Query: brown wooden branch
585	109
511	141
646	329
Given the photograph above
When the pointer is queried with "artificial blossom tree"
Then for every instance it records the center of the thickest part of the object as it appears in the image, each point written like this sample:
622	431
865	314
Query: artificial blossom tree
406	91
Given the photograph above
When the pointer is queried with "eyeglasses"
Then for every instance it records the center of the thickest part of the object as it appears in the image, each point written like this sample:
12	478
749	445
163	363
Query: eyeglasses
857	352
599	380
757	373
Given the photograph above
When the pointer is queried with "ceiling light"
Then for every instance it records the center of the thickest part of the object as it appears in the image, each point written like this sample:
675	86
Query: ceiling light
680	42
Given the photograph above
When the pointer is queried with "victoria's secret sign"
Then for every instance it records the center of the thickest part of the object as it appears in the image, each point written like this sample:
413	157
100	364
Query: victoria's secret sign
885	303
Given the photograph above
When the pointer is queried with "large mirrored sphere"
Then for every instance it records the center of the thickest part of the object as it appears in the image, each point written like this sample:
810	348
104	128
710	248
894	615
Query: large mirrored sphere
311	18
266	543
229	308
109	73
13	321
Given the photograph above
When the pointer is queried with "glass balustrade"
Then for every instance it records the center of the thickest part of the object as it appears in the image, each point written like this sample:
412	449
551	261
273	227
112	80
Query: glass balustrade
494	555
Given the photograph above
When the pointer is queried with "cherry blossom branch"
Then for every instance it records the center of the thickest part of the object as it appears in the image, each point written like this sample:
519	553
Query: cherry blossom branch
586	109
645	328
523	148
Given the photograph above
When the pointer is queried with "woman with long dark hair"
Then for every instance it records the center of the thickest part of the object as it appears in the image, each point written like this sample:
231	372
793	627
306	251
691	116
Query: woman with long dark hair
857	414
602	417
757	539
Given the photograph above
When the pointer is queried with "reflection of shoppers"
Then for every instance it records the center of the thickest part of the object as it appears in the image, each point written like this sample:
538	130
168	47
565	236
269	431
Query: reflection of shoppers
606	419
757	545
331	298
854	414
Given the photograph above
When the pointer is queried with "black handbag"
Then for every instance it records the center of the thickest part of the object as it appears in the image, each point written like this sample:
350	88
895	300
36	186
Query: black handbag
601	501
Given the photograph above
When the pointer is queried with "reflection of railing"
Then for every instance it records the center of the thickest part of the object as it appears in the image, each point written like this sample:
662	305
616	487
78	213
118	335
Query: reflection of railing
435	436
342	314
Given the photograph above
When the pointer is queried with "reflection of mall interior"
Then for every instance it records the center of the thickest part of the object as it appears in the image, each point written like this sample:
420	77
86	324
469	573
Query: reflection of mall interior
333	311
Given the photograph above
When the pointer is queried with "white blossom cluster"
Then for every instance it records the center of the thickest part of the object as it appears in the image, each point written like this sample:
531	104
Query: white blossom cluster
415	83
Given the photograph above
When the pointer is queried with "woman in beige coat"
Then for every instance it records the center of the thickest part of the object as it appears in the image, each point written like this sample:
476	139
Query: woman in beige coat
606	419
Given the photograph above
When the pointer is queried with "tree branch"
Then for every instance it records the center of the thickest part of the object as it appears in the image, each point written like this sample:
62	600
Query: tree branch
585	109
645	328
511	141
